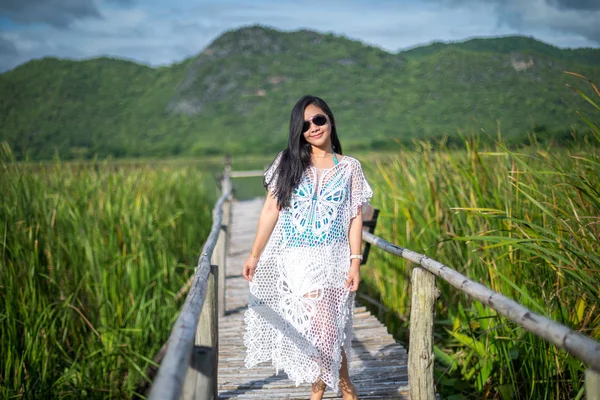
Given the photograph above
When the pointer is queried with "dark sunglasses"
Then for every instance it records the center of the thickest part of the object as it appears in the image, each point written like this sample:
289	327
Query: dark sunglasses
318	120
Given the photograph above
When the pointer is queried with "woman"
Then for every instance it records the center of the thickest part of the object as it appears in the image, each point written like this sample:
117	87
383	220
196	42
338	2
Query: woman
304	264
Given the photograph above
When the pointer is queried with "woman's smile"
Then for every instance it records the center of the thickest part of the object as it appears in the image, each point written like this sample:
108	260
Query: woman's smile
318	133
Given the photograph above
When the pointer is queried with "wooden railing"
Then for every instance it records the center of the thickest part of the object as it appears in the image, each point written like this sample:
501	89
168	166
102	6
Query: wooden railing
424	295
189	368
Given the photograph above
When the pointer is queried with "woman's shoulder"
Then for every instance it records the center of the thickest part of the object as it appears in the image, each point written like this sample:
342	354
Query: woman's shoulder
277	159
351	160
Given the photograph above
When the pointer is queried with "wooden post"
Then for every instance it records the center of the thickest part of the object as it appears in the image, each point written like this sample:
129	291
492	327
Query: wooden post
207	342
225	187
369	218
420	351
592	384
189	384
224	235
218	258
229	211
201	378
223	266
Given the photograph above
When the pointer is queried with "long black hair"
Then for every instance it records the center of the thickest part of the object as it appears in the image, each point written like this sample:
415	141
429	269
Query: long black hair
296	157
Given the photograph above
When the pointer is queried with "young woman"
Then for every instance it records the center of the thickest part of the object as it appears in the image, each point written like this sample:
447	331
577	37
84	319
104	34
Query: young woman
304	265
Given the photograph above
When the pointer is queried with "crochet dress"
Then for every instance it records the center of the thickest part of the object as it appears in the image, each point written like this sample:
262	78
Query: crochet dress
300	312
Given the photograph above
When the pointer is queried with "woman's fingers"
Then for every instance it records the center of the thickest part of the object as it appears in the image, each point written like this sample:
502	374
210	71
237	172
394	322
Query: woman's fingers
355	283
248	272
352	282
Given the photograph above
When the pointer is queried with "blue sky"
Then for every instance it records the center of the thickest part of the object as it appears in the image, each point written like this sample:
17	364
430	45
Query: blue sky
162	32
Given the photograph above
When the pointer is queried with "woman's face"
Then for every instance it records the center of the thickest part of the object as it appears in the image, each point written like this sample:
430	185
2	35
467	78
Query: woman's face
317	136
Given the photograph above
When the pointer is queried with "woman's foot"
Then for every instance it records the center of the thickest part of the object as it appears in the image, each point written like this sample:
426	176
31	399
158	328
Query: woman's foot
317	390
348	390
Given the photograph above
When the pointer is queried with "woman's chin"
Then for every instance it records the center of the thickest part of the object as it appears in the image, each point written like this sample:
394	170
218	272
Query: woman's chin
321	143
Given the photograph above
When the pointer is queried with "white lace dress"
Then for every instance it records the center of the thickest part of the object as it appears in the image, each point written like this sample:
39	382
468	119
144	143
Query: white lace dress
300	311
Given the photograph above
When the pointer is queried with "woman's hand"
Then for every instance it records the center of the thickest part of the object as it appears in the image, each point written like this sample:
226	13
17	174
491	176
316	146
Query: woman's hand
266	223
249	267
353	276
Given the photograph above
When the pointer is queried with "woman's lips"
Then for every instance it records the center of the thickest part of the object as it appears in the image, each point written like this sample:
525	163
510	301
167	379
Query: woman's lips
317	136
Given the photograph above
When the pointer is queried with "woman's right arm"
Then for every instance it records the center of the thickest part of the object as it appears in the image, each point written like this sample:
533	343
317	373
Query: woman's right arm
266	223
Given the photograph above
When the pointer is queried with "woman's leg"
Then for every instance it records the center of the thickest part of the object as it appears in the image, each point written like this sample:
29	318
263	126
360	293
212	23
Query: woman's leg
348	389
317	390
324	328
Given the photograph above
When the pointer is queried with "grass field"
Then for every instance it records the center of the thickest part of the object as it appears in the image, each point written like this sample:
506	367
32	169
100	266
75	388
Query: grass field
524	223
92	258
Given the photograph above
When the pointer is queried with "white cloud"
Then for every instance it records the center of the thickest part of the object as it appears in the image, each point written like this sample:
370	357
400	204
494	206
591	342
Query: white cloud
564	18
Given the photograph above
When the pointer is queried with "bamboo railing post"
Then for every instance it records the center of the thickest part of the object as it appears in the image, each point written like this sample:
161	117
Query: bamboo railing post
420	352
592	384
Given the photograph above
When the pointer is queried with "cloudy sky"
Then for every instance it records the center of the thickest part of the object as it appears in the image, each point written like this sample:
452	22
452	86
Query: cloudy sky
160	32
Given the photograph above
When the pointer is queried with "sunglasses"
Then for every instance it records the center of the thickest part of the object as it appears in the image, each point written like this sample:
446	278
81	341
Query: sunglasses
318	120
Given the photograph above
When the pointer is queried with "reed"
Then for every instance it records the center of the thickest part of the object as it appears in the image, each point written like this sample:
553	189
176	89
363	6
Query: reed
525	223
91	260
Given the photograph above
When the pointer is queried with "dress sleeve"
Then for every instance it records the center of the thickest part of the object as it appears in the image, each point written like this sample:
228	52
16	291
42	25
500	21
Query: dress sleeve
271	174
361	190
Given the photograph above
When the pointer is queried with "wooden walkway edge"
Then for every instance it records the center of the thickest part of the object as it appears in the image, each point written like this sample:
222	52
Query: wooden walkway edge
378	368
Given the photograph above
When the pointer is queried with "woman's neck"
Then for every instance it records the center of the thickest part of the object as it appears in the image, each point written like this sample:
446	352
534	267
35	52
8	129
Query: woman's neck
321	152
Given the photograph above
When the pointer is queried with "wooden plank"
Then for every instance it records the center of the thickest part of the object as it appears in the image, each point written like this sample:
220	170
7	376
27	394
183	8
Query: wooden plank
582	347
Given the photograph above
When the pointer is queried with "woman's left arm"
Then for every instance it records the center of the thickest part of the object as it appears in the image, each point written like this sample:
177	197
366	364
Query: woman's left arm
355	239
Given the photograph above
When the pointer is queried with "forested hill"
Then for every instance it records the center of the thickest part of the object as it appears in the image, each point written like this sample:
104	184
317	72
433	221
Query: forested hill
237	94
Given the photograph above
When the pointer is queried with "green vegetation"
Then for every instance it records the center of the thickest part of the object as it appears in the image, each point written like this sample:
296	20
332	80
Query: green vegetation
509	44
92	257
525	223
237	94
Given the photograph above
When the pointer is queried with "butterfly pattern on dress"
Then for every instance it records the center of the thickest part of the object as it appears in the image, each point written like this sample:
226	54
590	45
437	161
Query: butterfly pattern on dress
301	286
316	207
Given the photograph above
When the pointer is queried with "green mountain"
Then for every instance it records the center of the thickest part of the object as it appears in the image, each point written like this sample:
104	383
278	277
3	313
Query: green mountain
237	94
513	45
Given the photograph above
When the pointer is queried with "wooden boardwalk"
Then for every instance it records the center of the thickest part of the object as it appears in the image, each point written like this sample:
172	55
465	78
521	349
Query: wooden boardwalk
379	366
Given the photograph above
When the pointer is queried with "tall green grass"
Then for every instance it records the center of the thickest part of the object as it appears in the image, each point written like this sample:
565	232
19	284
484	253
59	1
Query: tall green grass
524	223
90	261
